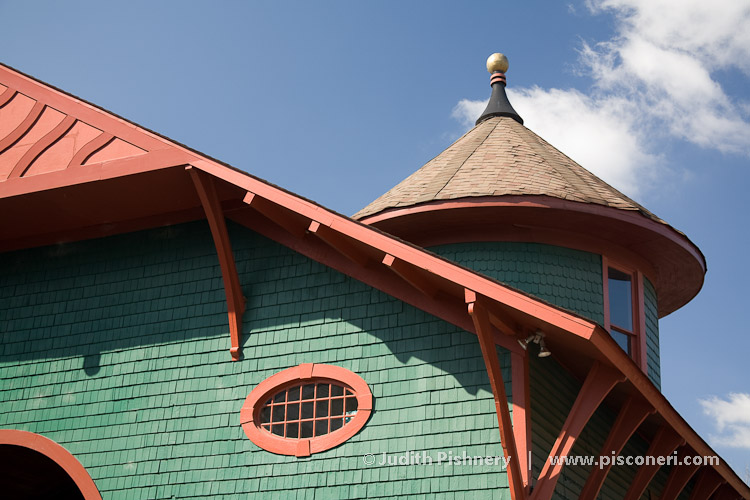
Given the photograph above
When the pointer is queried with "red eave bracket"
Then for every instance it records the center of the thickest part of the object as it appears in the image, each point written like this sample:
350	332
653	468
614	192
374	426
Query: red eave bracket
334	240
206	190
599	382
410	275
664	443
631	416
707	483
483	328
679	475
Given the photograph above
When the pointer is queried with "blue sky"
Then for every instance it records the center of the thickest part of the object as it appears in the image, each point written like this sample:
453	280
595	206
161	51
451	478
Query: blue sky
339	101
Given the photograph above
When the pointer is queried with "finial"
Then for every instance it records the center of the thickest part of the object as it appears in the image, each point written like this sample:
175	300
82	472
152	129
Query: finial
497	63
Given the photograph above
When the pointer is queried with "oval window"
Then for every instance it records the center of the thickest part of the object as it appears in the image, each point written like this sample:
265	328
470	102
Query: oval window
306	409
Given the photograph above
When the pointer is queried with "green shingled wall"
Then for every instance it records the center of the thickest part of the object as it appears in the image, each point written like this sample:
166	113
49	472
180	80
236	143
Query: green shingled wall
118	349
570	279
652	333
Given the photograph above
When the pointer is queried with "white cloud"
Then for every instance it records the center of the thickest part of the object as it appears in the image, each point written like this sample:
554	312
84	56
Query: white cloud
664	59
732	418
654	79
715	33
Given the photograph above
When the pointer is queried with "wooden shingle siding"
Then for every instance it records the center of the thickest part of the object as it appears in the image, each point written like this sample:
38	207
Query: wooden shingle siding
652	333
571	279
116	349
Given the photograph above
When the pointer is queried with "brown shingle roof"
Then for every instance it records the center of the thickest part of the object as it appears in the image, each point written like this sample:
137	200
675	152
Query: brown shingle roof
501	157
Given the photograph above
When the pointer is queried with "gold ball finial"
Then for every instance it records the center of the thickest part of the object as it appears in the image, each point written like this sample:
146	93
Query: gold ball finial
497	62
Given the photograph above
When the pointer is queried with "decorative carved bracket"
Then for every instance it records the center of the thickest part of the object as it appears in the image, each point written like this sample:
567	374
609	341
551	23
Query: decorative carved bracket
206	190
631	416
664	443
599	382
483	328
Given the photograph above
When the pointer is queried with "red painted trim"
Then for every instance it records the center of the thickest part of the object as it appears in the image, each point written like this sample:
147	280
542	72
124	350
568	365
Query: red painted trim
293	376
22	128
662	445
506	327
707	483
630	216
57	454
412	276
638	343
335	241
483	330
599	382
41	146
641	322
204	186
7	95
155	160
279	215
91	147
522	413
670	260
605	291
631	416
679	475
83	111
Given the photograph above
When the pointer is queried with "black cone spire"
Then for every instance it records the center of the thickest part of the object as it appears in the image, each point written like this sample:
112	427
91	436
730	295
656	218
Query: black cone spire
497	65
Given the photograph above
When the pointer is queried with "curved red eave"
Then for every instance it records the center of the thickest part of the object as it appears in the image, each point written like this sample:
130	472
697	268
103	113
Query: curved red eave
673	263
57	454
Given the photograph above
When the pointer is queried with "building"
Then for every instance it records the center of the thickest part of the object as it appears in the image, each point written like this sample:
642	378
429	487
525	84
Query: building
175	328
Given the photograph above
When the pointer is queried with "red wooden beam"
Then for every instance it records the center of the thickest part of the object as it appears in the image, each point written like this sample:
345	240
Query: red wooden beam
679	475
631	415
726	492
520	395
504	326
708	481
277	214
599	382
338	243
410	275
204	185
664	443
486	342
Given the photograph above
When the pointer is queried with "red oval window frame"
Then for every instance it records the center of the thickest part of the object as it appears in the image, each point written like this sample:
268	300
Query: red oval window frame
301	374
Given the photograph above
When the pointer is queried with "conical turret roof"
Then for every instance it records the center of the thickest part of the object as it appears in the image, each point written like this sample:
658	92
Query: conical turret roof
501	157
502	182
